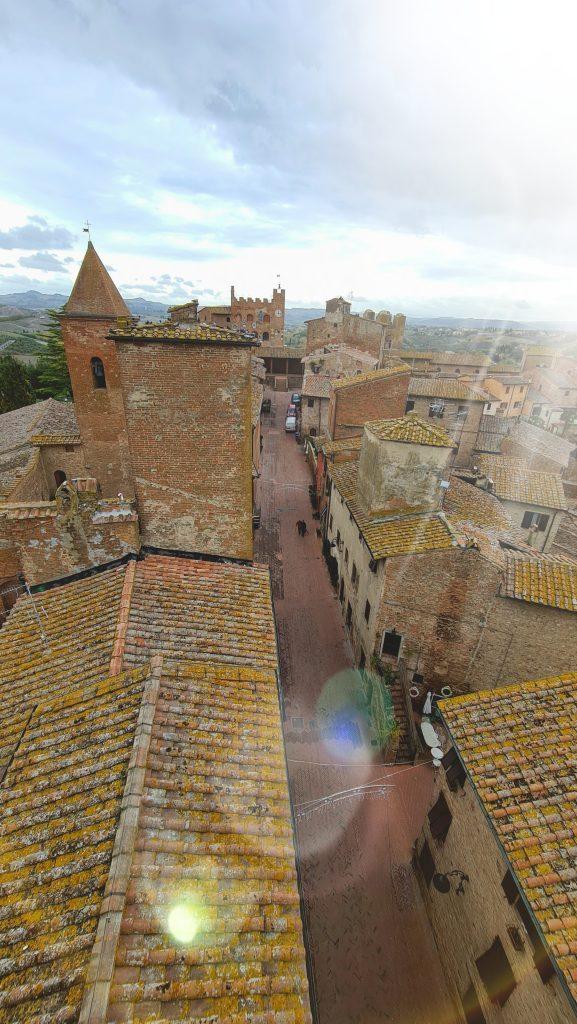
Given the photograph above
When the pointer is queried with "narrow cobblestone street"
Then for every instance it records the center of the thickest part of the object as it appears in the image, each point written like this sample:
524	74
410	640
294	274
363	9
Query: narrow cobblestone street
374	958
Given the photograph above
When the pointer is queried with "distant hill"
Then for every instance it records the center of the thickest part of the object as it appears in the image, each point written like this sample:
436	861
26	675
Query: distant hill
294	316
21	301
472	324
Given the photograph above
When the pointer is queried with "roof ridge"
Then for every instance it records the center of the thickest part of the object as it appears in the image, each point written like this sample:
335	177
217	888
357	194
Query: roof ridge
123	617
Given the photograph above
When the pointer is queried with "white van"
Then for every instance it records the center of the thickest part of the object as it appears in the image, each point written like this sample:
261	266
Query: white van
290	424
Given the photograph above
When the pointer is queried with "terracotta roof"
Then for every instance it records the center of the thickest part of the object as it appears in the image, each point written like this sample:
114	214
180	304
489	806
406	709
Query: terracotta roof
202	610
54	439
515	482
546	580
517	744
60	802
446	387
127	329
94	292
470	504
316	385
344	444
362	378
488	441
179	768
410	429
542	442
443	358
396	535
215	838
223	310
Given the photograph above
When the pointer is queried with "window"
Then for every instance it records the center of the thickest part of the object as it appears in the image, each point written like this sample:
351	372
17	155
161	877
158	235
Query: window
437	409
454	772
472	1007
538	519
537	410
367	611
265	335
311	403
338	538
516	405
391	643
342	590
507	390
462	412
349	613
313	431
354	574
410	405
346	556
362	660
540	955
331	521
426	863
59	477
98	374
496	974
440	819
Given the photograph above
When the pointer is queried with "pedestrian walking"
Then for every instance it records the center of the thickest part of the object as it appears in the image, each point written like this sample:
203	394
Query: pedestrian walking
300	527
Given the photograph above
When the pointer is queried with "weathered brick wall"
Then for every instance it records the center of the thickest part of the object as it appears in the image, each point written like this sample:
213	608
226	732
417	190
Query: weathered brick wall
9	561
32	485
51	546
99	411
466	925
353	406
68	458
188	411
438	601
523	641
463	431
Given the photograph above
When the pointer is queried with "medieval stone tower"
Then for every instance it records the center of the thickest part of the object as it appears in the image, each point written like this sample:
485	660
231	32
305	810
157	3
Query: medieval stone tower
92	309
164	412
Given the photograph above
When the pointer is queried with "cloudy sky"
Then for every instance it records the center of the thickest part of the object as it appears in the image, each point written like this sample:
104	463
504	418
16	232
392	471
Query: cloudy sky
419	155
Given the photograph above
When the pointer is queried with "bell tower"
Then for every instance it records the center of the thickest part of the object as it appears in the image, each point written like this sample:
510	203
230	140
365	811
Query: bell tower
91	311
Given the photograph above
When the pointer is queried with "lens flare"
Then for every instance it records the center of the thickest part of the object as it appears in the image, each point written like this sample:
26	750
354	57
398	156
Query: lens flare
183	922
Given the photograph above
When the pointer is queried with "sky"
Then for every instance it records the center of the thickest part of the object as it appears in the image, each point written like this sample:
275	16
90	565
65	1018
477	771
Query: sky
421	156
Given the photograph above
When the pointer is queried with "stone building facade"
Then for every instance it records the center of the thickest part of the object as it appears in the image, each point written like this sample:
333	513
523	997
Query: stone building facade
147	399
381	335
495	858
422	575
262	317
456	404
535	501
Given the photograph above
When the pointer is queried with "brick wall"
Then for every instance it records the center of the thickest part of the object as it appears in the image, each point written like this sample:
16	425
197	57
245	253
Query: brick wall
466	925
51	546
99	411
463	430
437	601
316	417
523	641
68	458
265	317
188	412
32	485
352	406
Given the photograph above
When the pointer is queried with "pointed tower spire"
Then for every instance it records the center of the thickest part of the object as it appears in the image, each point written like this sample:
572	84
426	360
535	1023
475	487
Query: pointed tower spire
94	292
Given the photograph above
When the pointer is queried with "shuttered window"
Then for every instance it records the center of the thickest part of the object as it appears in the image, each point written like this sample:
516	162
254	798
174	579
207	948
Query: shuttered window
440	819
454	771
496	974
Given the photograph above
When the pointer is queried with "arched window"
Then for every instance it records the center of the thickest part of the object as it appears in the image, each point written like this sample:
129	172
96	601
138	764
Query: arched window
98	374
59	477
265	335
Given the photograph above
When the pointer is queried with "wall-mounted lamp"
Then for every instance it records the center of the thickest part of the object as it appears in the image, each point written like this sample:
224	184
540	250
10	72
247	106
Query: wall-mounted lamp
442	882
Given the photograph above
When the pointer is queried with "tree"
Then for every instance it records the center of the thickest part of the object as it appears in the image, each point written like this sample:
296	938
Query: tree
52	368
14	387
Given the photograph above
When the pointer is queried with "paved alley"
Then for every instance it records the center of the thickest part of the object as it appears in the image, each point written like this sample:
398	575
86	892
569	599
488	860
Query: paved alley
374	958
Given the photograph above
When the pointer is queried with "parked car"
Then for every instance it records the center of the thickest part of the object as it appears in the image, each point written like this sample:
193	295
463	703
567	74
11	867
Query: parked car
295	398
290	424
292	410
